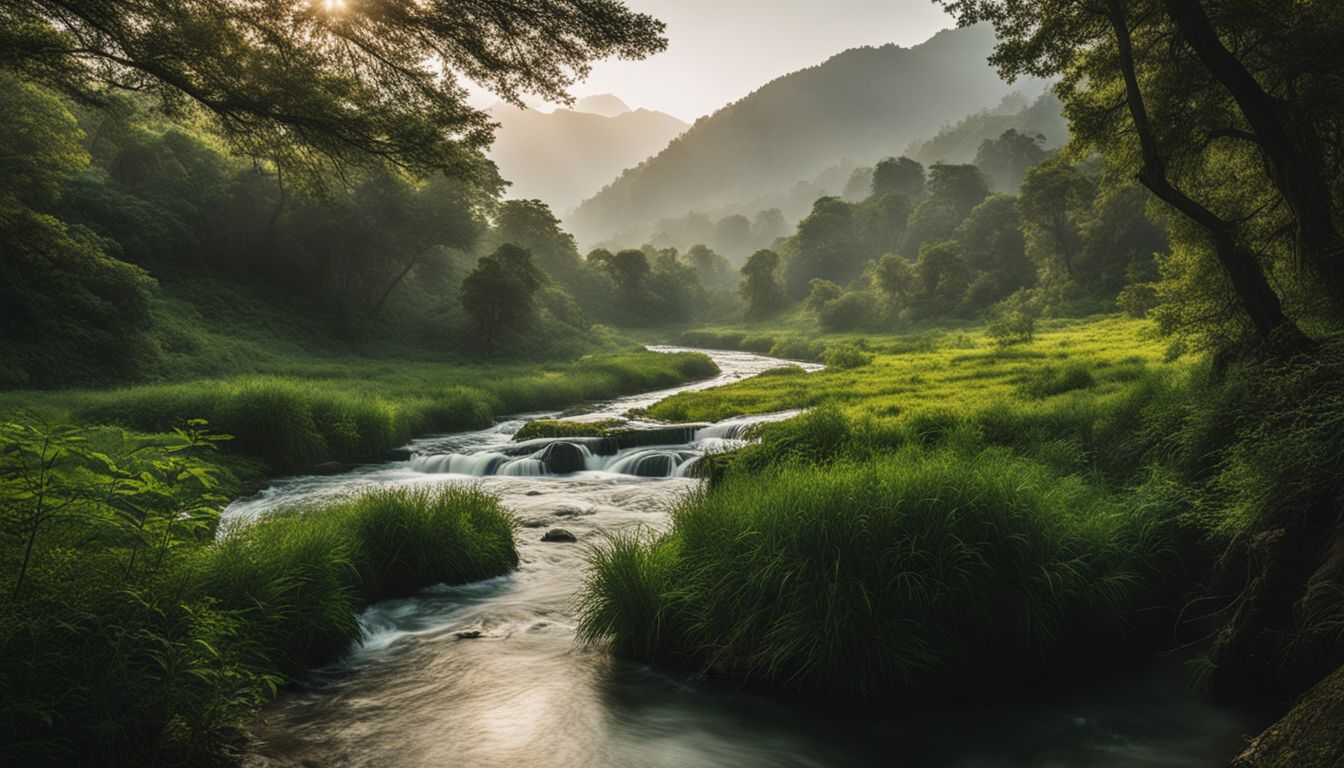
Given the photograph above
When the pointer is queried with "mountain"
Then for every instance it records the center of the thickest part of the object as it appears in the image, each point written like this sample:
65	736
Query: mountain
862	104
958	143
561	157
604	104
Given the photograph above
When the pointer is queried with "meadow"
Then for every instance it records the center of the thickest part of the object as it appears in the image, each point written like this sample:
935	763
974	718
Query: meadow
953	367
956	515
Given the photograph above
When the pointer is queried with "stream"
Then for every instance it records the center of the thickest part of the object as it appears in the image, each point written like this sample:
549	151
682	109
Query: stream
422	690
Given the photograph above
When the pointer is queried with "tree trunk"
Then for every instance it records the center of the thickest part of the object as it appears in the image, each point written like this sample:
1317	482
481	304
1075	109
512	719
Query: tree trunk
268	236
1288	145
378	305
1256	296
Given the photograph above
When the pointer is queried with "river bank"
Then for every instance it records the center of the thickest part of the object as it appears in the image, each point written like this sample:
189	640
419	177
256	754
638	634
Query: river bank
490	673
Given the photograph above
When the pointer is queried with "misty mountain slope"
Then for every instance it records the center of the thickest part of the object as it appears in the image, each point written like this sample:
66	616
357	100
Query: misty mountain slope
604	104
958	143
862	104
563	156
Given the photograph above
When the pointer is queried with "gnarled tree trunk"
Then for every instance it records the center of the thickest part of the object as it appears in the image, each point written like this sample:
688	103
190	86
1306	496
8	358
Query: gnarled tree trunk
1257	297
1286	141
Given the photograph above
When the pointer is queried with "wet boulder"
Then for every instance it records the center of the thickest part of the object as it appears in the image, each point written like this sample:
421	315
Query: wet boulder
563	458
1308	736
559	536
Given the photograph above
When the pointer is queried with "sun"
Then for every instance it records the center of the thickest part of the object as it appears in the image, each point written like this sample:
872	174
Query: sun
333	6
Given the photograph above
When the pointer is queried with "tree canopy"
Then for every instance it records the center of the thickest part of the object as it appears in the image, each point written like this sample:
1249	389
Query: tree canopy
1227	111
337	78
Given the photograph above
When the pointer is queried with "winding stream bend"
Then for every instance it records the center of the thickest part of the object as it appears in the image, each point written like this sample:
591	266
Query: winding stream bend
523	693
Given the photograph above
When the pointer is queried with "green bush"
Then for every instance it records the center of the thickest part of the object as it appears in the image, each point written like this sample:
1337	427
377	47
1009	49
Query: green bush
1013	320
783	370
851	311
300	578
876	579
798	348
845	356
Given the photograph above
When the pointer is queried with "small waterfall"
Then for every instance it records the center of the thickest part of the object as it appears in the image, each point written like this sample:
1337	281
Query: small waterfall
528	467
475	464
658	451
719	444
650	462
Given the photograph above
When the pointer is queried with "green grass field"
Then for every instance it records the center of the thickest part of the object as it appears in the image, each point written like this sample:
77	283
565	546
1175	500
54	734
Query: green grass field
951	514
958	369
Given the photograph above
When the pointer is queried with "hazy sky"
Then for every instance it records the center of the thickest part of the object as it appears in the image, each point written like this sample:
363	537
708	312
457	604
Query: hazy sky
721	50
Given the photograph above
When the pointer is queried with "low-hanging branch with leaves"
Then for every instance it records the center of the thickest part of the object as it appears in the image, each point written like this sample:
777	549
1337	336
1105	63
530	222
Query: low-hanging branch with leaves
336	79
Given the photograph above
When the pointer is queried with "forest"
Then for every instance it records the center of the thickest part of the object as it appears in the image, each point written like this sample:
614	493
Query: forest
1002	390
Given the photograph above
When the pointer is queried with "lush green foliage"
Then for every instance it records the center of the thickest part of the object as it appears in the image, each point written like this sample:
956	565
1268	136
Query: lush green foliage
910	574
497	294
130	636
354	411
300	577
338	80
1185	472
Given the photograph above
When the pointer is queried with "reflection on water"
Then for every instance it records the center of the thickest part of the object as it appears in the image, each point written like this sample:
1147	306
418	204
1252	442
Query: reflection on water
419	692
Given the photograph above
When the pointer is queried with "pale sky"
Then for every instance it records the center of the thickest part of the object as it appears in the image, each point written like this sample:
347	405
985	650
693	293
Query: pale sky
721	50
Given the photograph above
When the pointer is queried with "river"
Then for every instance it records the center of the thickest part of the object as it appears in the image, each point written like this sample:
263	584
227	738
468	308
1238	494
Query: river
489	674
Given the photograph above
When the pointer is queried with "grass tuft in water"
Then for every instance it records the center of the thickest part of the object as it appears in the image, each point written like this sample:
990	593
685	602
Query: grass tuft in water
301	577
875	579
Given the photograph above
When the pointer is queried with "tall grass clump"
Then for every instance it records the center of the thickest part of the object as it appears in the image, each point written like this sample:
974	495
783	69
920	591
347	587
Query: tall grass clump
1049	381
877	579
300	577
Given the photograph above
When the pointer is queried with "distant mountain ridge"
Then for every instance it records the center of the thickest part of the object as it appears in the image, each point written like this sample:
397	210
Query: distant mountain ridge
604	104
561	157
862	104
958	143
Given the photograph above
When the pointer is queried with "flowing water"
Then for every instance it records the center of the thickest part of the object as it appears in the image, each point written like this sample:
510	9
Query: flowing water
489	674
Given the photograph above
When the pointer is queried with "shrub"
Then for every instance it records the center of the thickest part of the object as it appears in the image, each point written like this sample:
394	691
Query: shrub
1137	299
782	370
851	311
1013	320
798	348
845	356
875	579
